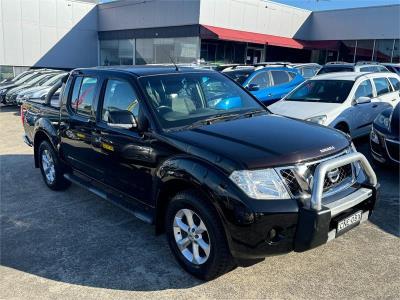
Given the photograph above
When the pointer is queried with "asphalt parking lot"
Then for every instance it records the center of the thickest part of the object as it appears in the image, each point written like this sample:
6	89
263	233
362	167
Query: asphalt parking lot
73	245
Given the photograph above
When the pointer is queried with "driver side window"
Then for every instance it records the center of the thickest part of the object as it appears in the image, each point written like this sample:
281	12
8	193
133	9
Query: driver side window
364	90
261	79
119	95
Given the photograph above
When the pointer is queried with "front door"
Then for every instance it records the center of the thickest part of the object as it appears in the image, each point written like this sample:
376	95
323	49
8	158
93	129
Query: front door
124	154
77	121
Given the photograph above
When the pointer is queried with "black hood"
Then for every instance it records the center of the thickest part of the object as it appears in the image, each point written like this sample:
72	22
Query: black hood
260	142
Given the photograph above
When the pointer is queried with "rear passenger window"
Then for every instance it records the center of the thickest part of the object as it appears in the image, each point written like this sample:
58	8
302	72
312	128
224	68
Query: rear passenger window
119	95
364	90
308	72
395	83
83	94
382	86
280	77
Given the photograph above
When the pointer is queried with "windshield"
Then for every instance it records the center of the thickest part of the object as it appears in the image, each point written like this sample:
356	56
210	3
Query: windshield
239	76
325	70
26	78
37	79
328	91
53	79
182	99
20	76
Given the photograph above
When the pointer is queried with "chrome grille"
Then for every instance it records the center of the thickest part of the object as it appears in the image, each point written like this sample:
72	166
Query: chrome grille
300	185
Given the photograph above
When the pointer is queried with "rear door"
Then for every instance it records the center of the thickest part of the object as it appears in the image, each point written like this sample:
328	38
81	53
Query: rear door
262	79
125	155
281	84
77	122
395	87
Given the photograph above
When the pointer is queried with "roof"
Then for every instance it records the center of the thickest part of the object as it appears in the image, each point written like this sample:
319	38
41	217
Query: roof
352	76
146	70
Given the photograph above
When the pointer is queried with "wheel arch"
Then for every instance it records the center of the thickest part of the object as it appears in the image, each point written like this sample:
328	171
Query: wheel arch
39	137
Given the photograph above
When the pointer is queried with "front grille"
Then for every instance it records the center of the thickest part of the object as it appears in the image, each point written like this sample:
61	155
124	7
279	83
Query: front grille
341	174
393	150
300	185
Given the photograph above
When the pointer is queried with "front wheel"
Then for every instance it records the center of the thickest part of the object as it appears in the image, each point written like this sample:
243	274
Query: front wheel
196	236
51	168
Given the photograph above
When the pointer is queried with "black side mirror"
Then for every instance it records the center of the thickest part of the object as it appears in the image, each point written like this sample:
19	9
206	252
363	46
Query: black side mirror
253	87
121	119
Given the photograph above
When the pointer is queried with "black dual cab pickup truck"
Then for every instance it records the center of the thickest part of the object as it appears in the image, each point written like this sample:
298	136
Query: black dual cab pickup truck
195	154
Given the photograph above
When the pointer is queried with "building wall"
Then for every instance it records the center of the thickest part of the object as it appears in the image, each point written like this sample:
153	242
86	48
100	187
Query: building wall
48	33
380	22
134	14
253	16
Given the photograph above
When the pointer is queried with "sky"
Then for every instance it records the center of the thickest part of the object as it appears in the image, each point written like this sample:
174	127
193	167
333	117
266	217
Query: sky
326	4
336	4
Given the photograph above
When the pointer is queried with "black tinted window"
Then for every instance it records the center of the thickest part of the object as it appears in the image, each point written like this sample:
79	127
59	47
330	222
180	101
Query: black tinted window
280	77
261	79
239	76
381	85
83	94
119	95
395	83
364	90
308	72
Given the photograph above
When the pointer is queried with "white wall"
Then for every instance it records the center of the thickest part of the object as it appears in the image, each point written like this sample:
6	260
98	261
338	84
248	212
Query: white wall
253	16
380	22
57	33
132	14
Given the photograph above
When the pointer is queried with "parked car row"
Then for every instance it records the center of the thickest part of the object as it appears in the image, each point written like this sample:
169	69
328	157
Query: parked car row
30	84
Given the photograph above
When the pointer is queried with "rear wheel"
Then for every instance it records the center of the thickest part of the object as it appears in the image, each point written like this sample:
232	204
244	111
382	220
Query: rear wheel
51	168
196	236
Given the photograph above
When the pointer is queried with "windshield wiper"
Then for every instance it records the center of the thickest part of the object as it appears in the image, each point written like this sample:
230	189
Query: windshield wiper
211	120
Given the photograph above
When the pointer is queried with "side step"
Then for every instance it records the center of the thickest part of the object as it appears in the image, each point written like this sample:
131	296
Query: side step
117	201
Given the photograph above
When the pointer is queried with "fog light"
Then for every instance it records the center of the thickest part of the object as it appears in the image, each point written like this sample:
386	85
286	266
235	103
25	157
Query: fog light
274	235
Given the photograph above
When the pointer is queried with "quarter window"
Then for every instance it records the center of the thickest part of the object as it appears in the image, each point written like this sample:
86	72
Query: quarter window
119	95
395	83
280	77
382	86
364	90
83	94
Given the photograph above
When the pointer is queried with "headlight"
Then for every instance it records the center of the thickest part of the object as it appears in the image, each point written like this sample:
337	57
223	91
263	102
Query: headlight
383	121
3	91
260	184
39	94
318	119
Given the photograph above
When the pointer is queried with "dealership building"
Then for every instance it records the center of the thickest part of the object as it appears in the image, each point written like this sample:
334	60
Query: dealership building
71	33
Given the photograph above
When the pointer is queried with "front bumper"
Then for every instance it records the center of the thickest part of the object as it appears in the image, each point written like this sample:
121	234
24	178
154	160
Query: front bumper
384	149
305	227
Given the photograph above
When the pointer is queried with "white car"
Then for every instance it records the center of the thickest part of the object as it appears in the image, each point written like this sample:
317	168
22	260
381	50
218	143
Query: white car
347	101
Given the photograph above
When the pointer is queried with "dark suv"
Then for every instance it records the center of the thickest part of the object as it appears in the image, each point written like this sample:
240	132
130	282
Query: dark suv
197	155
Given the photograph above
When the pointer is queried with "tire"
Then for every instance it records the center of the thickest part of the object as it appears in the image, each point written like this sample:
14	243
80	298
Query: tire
219	259
51	168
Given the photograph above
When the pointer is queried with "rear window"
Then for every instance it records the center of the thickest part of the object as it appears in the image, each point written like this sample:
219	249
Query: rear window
327	91
325	70
239	76
83	94
280	77
382	86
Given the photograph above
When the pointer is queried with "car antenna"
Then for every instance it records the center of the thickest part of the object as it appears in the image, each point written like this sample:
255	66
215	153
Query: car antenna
176	67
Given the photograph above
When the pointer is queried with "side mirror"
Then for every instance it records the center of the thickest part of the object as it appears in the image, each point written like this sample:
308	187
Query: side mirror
253	87
121	119
363	100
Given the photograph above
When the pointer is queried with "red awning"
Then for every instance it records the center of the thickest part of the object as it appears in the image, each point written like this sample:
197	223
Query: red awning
212	32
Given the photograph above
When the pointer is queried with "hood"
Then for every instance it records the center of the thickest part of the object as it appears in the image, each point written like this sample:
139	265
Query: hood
18	89
260	142
8	86
301	109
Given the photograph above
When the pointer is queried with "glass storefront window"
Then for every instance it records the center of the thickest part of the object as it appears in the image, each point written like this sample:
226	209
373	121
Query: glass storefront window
383	50
6	72
162	50
347	50
364	50
116	52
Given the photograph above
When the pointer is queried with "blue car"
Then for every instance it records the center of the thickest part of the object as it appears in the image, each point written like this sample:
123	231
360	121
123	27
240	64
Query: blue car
269	84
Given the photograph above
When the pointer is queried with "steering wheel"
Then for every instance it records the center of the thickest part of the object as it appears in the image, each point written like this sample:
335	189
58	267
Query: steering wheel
163	109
